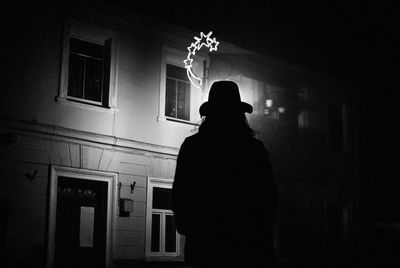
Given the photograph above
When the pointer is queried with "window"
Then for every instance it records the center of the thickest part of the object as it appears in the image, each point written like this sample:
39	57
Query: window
179	99
335	127
162	239
88	68
85	71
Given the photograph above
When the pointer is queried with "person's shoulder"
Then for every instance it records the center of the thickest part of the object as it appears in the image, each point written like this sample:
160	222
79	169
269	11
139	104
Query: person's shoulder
191	140
257	145
256	142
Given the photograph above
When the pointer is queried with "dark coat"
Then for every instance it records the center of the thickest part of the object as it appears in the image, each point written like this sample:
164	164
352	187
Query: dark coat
224	201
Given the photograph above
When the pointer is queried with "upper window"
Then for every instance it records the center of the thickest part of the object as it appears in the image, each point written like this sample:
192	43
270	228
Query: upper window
179	99
88	68
162	239
86	71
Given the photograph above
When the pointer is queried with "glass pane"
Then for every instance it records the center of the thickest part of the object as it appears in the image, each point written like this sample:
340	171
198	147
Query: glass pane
162	198
335	127
170	98
86	48
177	72
170	234
155	233
75	76
183	100
93	79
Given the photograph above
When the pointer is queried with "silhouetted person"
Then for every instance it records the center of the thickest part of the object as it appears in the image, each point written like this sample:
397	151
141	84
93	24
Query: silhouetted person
224	194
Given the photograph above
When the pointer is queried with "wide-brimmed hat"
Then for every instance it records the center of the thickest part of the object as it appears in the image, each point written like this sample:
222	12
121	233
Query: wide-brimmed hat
224	95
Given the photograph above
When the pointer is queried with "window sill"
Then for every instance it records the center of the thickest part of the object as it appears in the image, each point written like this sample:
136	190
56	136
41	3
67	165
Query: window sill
175	120
72	103
157	259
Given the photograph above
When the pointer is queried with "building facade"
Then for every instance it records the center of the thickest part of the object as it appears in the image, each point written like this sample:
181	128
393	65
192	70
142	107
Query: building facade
96	106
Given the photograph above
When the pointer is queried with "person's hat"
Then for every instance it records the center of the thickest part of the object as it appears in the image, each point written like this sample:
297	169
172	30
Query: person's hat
224	95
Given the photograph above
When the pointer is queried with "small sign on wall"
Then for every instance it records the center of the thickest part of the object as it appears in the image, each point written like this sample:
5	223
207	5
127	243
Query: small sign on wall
86	227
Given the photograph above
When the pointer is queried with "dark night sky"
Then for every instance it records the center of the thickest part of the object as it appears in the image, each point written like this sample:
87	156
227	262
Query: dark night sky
351	43
348	41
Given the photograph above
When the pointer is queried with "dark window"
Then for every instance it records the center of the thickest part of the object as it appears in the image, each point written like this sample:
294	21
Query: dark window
162	198
88	72
155	233
170	234
177	102
335	127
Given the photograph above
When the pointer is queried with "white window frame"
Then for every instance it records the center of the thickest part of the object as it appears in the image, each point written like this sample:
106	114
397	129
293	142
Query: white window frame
97	35
175	57
162	255
111	180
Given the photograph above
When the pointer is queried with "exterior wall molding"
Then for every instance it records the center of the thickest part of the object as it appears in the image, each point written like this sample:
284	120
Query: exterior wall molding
56	133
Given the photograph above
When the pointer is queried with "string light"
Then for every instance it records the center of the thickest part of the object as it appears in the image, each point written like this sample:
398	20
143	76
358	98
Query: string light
203	40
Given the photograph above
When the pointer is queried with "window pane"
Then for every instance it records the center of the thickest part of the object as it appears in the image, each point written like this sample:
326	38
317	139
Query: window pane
75	76
93	79
155	233
177	72
170	234
89	49
335	127
85	77
162	198
183	100
170	98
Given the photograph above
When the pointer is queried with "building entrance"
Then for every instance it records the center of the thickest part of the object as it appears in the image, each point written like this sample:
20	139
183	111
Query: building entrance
81	223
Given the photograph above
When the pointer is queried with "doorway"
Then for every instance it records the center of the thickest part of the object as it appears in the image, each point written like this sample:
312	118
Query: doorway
81	218
81	222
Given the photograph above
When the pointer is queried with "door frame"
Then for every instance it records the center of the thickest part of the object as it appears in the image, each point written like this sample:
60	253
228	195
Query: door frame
108	177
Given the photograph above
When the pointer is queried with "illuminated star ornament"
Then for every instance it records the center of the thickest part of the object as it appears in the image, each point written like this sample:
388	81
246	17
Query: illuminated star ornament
203	40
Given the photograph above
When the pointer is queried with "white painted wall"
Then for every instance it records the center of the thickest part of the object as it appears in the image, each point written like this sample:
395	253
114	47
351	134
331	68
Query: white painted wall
34	86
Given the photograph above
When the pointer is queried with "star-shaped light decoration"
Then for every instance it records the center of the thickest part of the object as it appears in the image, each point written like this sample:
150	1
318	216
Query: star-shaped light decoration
188	62
203	40
213	45
192	49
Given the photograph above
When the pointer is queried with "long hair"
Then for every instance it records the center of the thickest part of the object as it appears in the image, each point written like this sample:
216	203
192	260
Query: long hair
235	125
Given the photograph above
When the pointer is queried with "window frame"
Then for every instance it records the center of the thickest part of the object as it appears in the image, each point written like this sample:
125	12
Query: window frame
177	80
97	35
176	57
162	255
